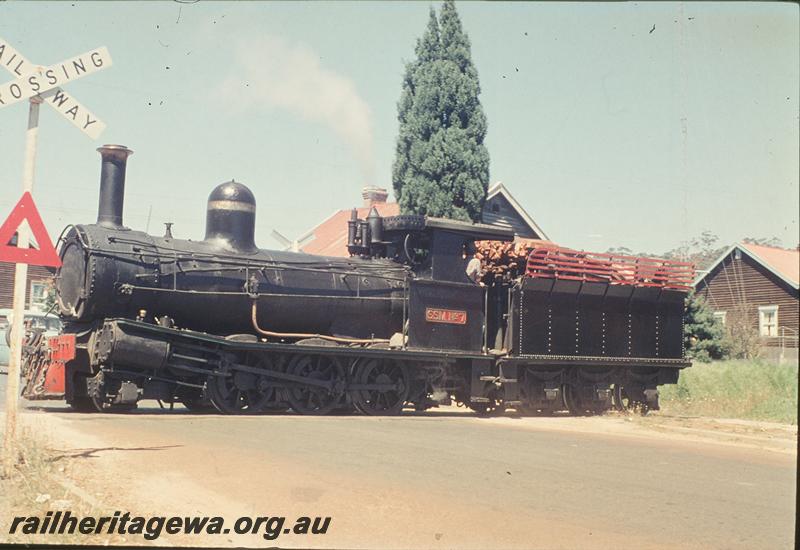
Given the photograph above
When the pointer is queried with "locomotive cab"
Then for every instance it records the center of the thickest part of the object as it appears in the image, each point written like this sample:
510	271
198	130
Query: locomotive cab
446	308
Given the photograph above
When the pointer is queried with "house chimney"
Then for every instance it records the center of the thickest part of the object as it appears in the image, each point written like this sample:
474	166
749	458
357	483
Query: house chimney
373	195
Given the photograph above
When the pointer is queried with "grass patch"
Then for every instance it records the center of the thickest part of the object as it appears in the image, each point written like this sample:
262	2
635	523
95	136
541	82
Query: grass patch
750	390
31	490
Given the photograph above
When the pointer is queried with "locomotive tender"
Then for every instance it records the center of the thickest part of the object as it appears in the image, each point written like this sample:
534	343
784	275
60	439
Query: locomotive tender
398	324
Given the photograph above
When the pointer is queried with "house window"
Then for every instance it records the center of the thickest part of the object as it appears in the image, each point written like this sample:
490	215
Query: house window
38	294
768	320
720	316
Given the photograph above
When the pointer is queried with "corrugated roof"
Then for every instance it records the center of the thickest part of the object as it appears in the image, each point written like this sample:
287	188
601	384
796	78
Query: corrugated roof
782	261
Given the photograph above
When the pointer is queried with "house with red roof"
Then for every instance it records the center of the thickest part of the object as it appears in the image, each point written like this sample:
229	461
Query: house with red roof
757	285
329	238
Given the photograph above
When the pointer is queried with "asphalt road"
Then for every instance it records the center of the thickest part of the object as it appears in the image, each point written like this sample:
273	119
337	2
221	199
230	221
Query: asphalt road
437	480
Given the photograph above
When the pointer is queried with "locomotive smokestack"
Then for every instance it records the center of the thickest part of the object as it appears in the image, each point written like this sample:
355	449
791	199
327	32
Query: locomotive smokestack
231	217
112	185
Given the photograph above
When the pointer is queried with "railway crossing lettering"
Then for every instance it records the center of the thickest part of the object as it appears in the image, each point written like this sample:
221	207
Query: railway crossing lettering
34	81
13	60
45	78
71	109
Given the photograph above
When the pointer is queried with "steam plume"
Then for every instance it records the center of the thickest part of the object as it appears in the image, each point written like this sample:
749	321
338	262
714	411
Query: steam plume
289	76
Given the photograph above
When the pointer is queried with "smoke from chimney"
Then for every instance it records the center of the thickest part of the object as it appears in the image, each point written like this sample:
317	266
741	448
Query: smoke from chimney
373	195
271	73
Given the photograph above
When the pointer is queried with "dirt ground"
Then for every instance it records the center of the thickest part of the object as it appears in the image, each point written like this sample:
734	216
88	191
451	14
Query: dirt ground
156	464
767	436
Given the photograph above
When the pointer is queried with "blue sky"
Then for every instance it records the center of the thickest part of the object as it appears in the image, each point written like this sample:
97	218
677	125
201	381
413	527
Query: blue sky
607	133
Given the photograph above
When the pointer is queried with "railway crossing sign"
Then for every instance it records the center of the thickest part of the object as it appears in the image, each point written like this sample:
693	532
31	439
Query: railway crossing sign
38	85
46	253
45	83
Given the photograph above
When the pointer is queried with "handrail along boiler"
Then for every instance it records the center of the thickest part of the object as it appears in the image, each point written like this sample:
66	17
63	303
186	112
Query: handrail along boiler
221	322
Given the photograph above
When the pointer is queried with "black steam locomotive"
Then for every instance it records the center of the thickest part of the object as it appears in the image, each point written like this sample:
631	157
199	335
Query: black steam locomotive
220	322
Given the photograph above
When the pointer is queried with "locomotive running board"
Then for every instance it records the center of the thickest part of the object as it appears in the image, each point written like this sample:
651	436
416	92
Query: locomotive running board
589	361
189	336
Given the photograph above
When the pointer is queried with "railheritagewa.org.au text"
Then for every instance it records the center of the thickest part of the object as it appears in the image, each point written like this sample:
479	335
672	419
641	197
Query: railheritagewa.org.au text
151	528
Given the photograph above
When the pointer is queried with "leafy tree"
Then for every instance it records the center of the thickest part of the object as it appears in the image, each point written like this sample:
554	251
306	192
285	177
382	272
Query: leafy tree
763	241
704	336
745	342
441	165
625	251
702	251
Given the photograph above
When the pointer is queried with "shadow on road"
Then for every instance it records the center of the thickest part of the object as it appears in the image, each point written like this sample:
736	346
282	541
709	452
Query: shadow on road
91	452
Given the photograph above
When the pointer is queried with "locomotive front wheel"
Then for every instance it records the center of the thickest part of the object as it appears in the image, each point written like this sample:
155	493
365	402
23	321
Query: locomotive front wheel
237	393
323	396
382	387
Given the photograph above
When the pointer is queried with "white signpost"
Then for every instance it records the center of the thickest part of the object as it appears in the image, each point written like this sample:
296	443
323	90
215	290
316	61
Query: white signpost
38	85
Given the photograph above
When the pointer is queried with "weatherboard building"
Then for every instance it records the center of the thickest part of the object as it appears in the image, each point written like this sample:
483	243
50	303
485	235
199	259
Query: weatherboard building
757	285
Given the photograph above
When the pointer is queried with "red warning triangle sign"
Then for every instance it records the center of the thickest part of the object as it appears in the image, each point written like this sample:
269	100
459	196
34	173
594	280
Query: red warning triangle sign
46	253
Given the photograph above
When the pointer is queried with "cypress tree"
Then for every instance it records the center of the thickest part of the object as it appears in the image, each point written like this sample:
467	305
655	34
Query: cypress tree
704	336
441	165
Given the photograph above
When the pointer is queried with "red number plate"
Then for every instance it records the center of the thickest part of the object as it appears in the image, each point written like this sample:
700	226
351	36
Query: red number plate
449	316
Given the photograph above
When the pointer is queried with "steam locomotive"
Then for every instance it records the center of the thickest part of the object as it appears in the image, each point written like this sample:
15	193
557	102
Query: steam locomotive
222	323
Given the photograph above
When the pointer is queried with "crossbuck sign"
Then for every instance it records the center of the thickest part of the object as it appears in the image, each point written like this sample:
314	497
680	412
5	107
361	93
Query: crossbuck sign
37	85
45	82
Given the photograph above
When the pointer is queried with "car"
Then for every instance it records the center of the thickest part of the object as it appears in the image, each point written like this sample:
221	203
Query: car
49	323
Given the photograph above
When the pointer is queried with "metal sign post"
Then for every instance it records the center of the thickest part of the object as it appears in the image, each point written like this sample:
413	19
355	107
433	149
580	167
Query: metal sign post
37	84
